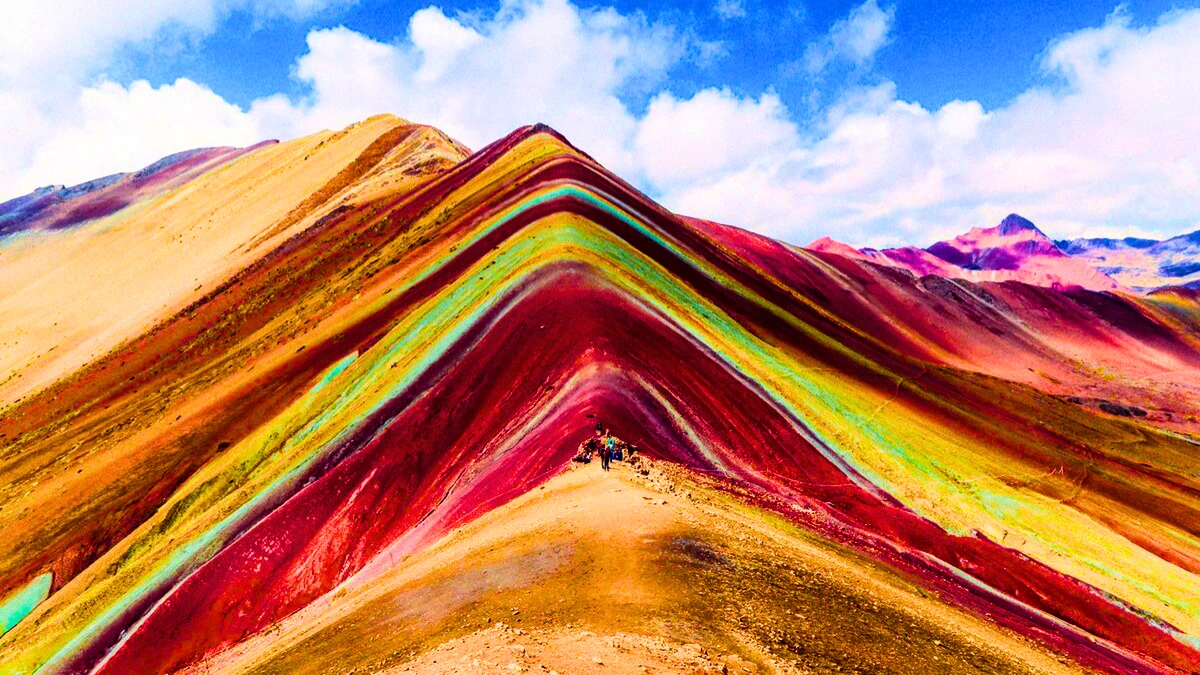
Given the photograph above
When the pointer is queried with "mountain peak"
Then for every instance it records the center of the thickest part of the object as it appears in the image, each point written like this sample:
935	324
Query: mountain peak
385	344
1013	223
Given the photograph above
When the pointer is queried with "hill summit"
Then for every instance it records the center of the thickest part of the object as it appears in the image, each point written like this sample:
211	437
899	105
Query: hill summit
313	409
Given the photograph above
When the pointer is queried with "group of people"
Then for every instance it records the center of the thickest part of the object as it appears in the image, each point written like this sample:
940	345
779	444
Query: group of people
603	443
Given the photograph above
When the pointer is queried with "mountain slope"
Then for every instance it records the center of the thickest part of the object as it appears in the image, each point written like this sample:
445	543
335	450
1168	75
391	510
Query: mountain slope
403	366
709	581
152	243
58	207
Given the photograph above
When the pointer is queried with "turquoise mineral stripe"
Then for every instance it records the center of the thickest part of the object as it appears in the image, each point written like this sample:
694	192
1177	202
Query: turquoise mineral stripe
20	603
471	300
681	309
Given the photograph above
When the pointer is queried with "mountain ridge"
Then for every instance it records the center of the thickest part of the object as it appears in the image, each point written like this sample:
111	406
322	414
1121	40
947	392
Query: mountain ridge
391	370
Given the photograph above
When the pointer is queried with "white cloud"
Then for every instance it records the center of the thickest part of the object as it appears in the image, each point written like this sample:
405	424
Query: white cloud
1108	145
855	38
55	38
681	143
477	78
53	51
532	61
1111	145
60	38
440	40
131	127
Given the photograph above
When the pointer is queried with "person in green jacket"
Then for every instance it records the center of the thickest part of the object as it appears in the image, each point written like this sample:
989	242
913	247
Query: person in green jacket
607	447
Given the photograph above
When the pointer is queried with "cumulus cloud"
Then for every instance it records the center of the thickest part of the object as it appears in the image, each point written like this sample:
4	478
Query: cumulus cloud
854	39
682	143
534	61
55	38
52	53
1109	145
129	127
477	78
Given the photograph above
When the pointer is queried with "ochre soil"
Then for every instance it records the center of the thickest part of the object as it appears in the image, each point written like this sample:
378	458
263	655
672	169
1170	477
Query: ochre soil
621	572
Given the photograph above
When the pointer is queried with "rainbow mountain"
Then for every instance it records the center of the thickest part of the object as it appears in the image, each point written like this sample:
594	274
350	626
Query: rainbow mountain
310	406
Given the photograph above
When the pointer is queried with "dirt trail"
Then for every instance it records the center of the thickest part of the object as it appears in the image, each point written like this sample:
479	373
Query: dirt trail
625	573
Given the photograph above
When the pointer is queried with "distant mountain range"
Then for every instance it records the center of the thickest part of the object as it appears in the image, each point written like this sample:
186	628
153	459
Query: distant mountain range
1016	250
1142	263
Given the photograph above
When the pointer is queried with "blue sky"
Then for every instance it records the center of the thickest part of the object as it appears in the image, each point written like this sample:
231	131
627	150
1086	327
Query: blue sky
876	122
984	50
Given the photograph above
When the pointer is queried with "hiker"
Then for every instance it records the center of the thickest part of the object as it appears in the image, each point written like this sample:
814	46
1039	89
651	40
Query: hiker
607	449
622	450
590	446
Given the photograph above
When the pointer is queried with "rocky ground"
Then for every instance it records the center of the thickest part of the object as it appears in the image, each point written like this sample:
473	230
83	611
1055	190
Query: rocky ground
503	649
631	572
